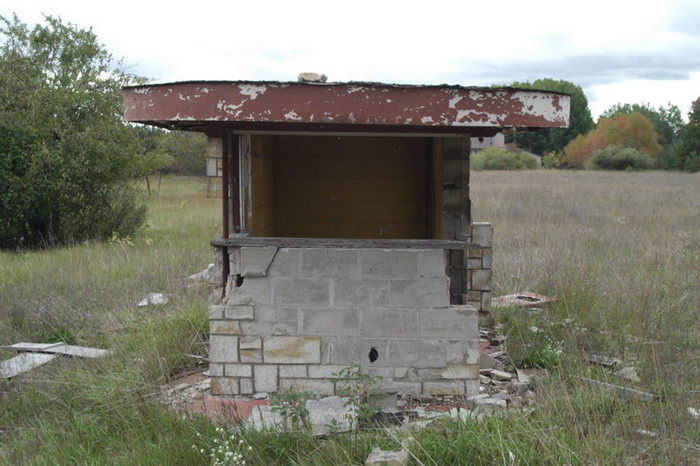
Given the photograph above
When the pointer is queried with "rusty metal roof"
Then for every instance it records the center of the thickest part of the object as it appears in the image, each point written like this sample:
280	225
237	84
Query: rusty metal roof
343	107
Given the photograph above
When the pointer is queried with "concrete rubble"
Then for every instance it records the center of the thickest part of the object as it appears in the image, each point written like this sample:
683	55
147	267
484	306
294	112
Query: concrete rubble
379	457
153	299
526	299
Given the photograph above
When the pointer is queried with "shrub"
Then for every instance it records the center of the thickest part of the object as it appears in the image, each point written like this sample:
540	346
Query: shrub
494	158
618	158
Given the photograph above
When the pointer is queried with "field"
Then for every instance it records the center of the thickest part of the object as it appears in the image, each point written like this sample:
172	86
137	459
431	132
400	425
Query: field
620	252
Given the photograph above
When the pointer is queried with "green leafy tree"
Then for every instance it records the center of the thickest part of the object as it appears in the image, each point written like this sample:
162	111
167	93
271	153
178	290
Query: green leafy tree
555	139
188	151
686	153
66	157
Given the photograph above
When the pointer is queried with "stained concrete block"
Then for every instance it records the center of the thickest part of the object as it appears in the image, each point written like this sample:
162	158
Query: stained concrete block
443	388
317	386
253	290
421	293
301	291
433	263
250	342
473	263
216	311
265	378
287	263
482	233
292	350
389	263
481	280
419	353
251	356
334	322
487	258
256	260
330	263
361	292
324	372
461	371
246	386
462	351
395	386
216	370
224	327
224	386
389	323
471	387
453	322
223	348
238	370
292	371
240	312
345	351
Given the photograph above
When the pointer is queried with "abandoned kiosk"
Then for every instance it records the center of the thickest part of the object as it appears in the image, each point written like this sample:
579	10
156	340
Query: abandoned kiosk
347	234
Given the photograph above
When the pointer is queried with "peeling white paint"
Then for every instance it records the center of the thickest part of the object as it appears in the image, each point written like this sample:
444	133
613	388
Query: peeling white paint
388	101
453	101
353	89
351	117
475	118
252	90
142	90
426	120
543	105
230	108
182	97
292	115
181	118
206	90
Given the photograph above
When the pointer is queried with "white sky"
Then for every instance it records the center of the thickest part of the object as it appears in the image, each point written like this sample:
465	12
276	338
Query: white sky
617	50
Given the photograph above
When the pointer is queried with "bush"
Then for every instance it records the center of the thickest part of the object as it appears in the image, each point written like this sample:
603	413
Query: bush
494	158
618	158
67	158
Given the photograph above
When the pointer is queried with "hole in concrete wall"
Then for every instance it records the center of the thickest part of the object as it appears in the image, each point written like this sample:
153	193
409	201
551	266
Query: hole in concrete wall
239	279
373	354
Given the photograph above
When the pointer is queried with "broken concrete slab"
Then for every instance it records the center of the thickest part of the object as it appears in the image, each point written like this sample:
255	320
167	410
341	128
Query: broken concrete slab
486	361
694	412
500	375
202	275
379	457
155	299
623	392
528	375
605	361
331	413
60	348
629	373
23	363
526	299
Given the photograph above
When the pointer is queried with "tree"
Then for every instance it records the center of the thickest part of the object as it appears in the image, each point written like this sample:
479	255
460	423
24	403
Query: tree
188	151
555	139
686	153
667	122
66	157
626	130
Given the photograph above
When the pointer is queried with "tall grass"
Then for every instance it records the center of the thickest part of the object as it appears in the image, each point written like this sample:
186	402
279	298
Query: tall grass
620	251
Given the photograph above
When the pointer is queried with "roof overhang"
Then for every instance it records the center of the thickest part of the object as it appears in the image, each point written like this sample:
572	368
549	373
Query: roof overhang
212	106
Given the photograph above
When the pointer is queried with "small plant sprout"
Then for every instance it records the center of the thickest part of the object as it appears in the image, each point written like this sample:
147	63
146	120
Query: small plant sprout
291	405
358	386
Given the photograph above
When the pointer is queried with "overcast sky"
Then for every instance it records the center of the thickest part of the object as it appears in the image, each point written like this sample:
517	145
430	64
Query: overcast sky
617	50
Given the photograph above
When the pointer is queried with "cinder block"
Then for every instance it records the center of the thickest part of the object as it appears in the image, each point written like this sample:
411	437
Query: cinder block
421	293
333	322
234	260
253	290
246	386
240	312
216	311
223	348
473	295
256	260
433	263
324	372
293	371
463	351
461	371
389	263
287	263
487	258
251	356
345	351
475	253
292	350
316	386
265	378
473	263
224	386
429	374
471	387
443	388
250	343
454	322
216	369
485	301
238	370
394	386
224	327
330	263
301	291
361	292
389	323
482	233
418	353
481	280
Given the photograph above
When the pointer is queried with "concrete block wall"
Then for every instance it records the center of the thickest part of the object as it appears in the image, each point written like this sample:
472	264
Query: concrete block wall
478	273
294	317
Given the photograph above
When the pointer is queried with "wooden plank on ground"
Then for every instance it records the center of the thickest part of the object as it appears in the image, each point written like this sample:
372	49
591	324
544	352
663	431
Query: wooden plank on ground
23	363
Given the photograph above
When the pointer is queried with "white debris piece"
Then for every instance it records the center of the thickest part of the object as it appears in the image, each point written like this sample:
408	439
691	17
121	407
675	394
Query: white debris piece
694	412
628	373
23	363
381	457
153	299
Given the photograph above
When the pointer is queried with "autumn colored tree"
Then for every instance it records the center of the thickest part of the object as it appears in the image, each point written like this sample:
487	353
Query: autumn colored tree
625	130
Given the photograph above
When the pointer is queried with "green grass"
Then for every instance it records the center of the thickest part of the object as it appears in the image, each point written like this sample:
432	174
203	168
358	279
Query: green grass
620	251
